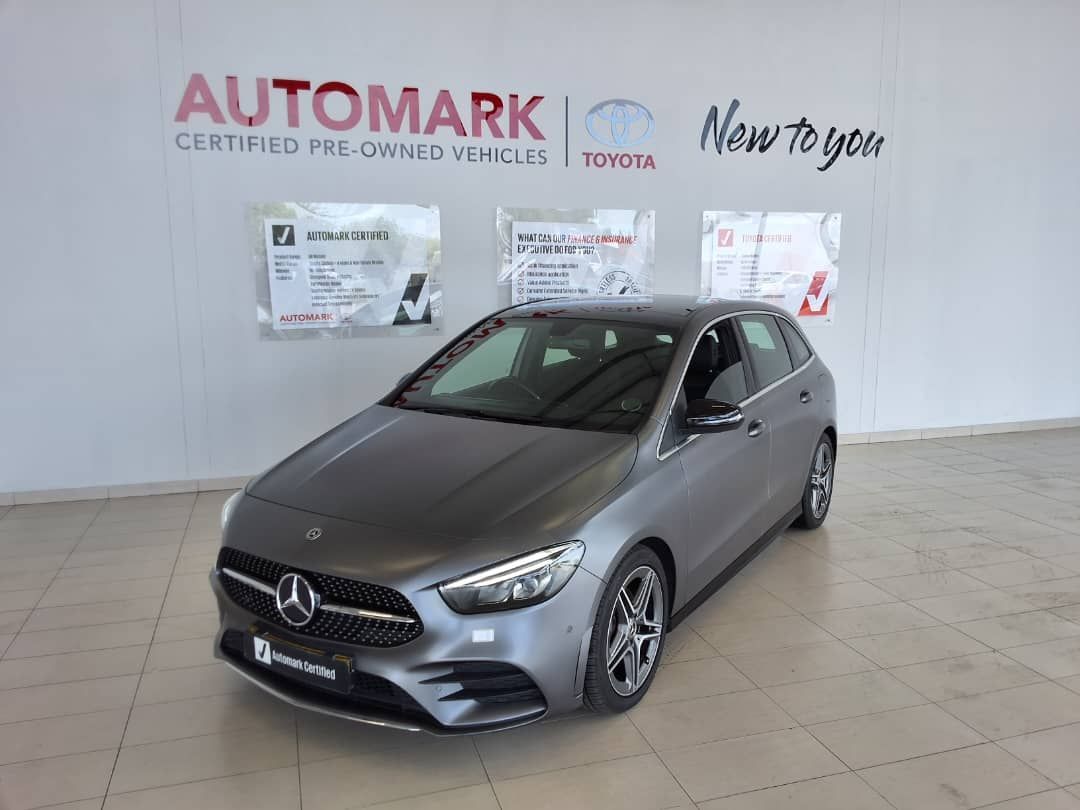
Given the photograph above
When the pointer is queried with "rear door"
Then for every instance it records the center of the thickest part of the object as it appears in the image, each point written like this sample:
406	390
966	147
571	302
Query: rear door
778	393
809	389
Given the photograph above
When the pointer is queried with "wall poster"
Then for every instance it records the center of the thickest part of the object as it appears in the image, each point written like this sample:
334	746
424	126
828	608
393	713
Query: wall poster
345	269
791	260
576	253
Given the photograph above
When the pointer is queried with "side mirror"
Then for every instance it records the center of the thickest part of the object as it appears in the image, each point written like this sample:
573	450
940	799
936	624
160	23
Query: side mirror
712	416
403	378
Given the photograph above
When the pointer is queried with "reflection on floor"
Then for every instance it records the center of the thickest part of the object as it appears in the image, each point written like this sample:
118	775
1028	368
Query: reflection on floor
920	651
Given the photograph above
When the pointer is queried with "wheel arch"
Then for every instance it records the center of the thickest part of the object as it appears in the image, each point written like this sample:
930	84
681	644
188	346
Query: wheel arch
830	431
662	550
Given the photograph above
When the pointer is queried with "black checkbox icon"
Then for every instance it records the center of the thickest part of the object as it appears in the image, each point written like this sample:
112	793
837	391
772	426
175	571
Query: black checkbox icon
283	235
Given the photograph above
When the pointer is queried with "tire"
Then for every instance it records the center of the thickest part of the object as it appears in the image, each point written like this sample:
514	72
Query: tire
616	689
817	494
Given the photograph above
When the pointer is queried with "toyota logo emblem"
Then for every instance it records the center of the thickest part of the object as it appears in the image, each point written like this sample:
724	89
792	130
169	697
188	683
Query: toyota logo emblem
313	534
620	122
296	600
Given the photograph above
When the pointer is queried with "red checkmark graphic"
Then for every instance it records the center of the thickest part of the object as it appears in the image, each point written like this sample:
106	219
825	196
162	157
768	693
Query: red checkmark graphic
817	297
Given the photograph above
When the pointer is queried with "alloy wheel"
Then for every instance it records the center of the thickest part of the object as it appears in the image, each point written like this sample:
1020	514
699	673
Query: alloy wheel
821	480
634	630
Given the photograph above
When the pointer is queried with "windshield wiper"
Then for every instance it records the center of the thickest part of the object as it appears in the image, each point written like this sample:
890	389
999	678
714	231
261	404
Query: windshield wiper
472	413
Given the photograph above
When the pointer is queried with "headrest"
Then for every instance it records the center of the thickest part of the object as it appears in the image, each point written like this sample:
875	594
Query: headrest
706	356
584	341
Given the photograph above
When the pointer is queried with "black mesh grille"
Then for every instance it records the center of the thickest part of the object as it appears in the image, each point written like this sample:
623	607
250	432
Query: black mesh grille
368	691
331	626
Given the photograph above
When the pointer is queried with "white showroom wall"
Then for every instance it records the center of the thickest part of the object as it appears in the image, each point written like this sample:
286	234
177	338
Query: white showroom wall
130	347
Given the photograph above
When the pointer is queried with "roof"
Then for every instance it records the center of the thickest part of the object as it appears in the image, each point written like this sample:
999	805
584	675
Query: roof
661	310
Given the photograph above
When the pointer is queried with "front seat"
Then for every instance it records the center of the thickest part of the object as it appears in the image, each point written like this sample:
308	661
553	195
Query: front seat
730	382
702	368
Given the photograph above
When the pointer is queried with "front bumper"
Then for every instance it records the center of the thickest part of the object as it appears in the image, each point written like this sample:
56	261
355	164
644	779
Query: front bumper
418	686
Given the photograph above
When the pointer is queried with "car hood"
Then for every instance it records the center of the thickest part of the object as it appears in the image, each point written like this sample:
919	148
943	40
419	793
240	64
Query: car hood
449	475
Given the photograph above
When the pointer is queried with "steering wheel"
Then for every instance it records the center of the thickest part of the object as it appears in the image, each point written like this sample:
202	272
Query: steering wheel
516	384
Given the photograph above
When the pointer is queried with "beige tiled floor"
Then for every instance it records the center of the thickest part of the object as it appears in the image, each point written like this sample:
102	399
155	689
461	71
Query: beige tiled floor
920	651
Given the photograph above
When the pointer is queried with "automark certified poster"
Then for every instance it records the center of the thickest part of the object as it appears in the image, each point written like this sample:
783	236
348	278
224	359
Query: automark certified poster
575	253
788	259
347	269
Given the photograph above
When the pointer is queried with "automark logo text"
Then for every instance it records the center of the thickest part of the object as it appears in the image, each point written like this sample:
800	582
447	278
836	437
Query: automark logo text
338	107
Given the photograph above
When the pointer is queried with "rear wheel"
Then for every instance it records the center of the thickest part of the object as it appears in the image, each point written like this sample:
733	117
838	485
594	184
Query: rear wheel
817	495
628	635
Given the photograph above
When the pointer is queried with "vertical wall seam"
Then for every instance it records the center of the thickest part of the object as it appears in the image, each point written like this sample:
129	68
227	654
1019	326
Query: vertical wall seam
197	274
876	255
172	250
885	234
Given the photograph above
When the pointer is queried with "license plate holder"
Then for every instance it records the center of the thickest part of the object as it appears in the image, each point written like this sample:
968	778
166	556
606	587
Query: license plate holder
323	670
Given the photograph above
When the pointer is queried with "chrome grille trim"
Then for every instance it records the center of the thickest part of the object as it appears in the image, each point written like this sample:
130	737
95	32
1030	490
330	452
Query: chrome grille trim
259	585
366	614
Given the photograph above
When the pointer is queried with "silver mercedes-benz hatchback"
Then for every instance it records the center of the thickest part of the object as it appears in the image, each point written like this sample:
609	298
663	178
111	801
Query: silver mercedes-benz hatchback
514	529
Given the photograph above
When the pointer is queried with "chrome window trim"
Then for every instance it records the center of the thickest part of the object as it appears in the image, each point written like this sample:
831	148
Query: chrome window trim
330	607
661	456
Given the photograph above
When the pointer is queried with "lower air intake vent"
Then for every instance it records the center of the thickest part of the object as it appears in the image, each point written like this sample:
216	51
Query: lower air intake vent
489	682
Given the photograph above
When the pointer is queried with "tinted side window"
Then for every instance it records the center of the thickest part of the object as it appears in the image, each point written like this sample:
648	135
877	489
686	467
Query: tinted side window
716	367
797	347
768	352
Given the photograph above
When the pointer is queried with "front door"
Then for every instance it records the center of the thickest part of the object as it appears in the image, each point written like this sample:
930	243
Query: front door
727	473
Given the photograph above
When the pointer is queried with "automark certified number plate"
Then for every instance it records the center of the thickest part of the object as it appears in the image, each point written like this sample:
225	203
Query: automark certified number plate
298	664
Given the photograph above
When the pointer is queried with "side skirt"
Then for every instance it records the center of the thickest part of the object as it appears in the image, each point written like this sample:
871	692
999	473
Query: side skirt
736	565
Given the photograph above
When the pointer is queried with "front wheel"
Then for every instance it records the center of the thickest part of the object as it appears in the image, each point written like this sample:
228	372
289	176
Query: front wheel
628	636
817	495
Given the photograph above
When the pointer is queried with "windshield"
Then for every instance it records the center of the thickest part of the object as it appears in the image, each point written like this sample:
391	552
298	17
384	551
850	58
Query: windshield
562	372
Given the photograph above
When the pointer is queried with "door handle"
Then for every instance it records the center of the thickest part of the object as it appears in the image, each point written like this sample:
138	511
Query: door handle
806	396
755	428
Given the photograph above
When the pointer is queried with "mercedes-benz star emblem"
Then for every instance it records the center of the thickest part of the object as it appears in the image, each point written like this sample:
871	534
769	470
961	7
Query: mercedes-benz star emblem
296	600
313	534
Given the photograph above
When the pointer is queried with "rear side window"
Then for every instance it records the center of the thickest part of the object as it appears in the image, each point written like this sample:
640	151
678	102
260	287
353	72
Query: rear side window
797	347
768	351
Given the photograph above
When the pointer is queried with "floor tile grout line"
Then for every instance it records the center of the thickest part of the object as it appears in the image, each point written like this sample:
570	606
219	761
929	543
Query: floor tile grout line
201	780
876	792
769	787
984	741
487	774
999	802
64	715
4	656
299	762
104	649
91	624
146	659
601	761
939	753
72	652
1011	736
660	758
100	750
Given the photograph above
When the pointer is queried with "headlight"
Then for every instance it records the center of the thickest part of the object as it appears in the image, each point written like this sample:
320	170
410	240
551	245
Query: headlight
516	582
228	506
